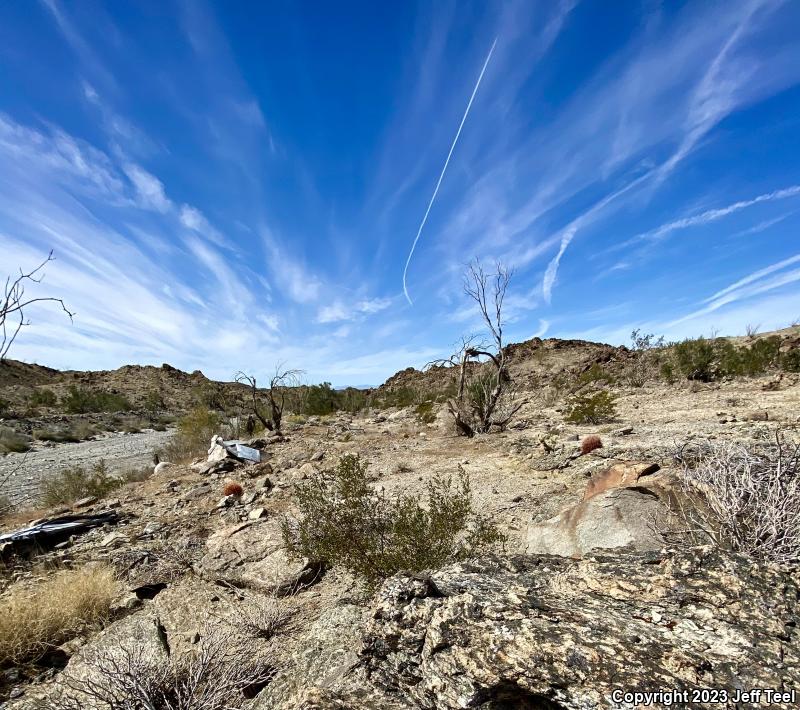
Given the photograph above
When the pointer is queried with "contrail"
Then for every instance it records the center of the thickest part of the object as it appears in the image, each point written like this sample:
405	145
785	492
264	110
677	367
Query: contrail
444	169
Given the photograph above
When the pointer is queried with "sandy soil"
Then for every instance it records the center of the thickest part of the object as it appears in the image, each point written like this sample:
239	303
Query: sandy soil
120	452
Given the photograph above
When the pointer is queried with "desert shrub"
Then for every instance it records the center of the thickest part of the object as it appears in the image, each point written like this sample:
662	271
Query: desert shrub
12	441
5	407
590	443
223	672
425	413
36	617
232	489
82	401
646	359
320	399
594	408
133	425
43	398
137	474
193	436
153	402
790	361
596	373
76	482
707	360
78	431
695	359
346	522
210	395
750	496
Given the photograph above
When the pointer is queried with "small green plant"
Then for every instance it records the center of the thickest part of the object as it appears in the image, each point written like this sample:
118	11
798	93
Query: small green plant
82	401
13	442
425	413
594	408
695	359
43	398
346	522
5	407
193	436
596	374
790	361
77	482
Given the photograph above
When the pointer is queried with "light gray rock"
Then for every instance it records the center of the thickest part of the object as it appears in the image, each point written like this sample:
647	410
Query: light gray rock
620	517
254	555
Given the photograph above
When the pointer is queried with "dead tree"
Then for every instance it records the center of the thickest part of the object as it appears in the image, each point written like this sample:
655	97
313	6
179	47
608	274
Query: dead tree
485	396
14	302
270	413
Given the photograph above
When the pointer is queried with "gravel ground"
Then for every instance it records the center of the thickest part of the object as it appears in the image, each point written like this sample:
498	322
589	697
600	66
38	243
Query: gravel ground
120	451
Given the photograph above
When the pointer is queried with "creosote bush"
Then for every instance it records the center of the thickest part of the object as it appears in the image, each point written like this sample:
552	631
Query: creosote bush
590	443
346	522
77	482
36	617
43	398
593	408
82	401
193	436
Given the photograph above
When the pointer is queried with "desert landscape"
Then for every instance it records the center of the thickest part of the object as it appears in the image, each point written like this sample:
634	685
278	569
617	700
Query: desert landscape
399	355
594	572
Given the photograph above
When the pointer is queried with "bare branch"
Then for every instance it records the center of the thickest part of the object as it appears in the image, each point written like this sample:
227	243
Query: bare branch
13	304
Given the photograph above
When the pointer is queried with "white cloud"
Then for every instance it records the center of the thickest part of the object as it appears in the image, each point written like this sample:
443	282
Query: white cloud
192	218
338	311
714	214
300	285
149	189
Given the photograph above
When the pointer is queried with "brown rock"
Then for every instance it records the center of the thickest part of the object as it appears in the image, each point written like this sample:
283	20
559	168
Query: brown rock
620	475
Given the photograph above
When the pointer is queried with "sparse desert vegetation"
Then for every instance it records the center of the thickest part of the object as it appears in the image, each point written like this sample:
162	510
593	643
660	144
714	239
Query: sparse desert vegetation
378	499
38	616
345	522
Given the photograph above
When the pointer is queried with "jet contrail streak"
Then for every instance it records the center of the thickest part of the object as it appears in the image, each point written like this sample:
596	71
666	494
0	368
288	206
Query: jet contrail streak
444	169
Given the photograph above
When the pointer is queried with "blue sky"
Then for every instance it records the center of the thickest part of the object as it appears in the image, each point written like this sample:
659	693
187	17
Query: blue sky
230	185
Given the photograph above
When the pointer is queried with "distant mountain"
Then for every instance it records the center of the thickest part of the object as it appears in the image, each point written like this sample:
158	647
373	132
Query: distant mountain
356	387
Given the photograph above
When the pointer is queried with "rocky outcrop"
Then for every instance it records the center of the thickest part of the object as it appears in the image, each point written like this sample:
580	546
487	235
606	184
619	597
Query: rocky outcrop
549	632
252	554
618	518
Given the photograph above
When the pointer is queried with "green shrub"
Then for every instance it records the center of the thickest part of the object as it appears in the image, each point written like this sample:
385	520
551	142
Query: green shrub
695	359
5	407
790	361
594	408
13	442
321	399
346	522
425	413
596	373
707	360
43	398
193	437
83	401
77	482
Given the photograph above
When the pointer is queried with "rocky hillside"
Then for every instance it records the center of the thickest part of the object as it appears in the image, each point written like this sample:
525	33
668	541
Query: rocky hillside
176	389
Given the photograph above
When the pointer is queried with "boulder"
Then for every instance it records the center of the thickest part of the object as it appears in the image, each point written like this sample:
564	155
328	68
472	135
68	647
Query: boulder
559	634
620	517
623	474
254	555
